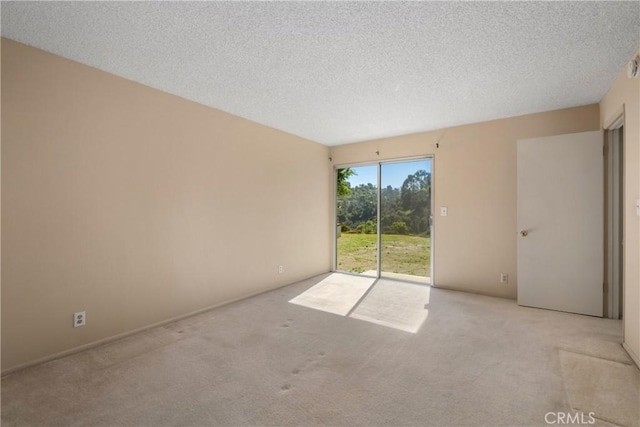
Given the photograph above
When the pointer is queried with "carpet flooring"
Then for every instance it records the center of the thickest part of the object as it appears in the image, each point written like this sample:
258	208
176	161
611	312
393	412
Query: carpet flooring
474	361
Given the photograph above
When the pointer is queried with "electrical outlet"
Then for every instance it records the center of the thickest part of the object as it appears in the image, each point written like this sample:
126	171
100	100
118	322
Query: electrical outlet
504	278
280	269
79	319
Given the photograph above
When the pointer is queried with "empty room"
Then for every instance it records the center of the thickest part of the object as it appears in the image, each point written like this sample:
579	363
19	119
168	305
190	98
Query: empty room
320	213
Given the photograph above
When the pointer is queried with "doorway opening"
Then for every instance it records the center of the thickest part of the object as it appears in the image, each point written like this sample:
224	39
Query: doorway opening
384	220
614	224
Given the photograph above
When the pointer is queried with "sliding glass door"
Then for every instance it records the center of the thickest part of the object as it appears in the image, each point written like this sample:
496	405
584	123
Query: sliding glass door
383	220
405	220
357	220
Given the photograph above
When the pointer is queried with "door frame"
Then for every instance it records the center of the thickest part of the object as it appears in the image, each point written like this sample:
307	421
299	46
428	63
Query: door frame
614	219
378	164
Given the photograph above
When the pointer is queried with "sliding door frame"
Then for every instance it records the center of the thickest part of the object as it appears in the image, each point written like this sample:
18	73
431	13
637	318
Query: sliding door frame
379	164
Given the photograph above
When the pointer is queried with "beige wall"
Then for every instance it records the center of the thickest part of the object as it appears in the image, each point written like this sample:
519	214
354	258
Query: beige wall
475	177
138	206
624	95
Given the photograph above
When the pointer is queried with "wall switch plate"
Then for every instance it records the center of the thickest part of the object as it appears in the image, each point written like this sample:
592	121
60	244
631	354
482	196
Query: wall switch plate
79	319
280	269
444	211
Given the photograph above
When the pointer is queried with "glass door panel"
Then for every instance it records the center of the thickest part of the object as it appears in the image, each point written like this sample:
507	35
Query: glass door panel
356	222
405	220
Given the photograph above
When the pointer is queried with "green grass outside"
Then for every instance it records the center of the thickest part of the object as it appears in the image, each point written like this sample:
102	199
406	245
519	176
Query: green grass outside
400	254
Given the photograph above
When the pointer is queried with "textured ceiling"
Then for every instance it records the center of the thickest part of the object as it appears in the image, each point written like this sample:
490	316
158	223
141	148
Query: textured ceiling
340	72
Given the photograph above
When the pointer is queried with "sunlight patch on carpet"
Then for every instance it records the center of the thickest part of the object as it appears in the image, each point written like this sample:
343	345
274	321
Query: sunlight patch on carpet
395	304
337	294
392	303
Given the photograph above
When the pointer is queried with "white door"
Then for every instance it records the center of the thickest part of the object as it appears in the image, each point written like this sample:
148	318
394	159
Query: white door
560	222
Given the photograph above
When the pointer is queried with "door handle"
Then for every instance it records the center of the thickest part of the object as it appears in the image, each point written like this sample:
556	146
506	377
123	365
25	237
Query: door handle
524	233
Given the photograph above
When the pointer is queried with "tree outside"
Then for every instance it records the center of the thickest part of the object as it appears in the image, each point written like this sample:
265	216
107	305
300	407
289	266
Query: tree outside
409	204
